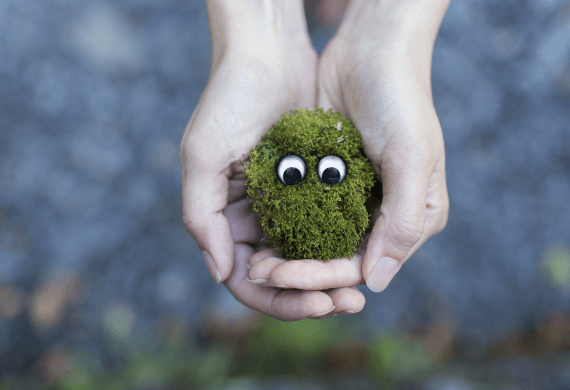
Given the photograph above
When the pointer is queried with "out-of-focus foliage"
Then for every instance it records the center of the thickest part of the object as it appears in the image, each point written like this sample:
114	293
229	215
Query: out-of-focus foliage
285	348
6	386
300	349
276	347
556	267
151	365
396	356
328	351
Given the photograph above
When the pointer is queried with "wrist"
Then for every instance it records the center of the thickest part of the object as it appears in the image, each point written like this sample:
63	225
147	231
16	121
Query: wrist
257	27
394	30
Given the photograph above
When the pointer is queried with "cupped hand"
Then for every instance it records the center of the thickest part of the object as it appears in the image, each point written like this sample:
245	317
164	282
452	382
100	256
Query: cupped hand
379	77
248	90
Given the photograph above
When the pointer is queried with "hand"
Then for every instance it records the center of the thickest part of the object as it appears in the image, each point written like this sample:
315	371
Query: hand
376	71
262	66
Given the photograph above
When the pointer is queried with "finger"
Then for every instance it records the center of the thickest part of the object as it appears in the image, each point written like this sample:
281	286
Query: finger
286	305
347	300
293	305
205	194
261	272
405	178
338	272
308	274
437	210
244	223
262	255
438	199
237	189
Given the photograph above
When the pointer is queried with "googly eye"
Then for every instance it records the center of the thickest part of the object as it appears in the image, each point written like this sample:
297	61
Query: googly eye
331	170
291	169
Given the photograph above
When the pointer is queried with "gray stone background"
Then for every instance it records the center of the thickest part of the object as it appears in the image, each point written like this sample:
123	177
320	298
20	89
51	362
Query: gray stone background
95	95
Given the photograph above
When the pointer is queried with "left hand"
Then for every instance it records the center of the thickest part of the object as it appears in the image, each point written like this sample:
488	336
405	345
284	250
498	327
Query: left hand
381	81
263	65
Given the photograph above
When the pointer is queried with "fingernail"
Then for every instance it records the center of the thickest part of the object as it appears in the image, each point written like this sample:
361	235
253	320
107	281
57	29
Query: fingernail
323	313
257	281
382	274
212	267
349	312
278	285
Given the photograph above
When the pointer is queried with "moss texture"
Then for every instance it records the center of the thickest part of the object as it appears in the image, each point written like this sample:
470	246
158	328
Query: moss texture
311	219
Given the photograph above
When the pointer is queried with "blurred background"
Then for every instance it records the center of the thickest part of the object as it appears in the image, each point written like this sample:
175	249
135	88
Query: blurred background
101	287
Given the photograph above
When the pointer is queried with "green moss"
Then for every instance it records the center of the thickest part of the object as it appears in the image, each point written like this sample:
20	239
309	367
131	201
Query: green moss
311	219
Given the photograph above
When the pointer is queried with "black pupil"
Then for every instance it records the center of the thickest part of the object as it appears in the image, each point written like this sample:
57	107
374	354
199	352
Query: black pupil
291	176
331	176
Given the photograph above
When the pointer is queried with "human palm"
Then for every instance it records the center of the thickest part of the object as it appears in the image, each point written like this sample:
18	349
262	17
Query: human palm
250	87
391	104
386	92
242	100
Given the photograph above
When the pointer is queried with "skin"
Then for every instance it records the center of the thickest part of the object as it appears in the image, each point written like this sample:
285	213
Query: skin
376	71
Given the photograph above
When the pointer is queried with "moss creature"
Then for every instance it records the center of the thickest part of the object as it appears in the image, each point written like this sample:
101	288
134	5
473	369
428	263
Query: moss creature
308	180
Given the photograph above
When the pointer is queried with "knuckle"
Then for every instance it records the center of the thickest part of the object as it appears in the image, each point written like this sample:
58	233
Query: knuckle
189	222
444	216
407	233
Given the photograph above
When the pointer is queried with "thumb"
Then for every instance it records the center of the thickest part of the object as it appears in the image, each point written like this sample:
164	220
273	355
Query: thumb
205	187
405	179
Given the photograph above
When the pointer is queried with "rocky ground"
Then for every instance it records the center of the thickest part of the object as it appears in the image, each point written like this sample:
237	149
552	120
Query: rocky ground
94	97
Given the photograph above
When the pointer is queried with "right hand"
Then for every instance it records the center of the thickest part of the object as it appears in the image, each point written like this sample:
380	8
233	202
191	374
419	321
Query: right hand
261	68
376	72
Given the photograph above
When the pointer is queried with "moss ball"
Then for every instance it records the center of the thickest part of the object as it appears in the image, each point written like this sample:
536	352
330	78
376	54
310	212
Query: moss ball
307	210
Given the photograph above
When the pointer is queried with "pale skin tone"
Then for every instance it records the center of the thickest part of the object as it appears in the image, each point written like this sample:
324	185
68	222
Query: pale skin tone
376	70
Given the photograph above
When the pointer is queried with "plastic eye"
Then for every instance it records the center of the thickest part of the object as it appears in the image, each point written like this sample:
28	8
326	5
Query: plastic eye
291	169
331	170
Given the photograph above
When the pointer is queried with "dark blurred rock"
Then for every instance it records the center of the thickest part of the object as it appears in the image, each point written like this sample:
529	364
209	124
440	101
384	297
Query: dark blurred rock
25	348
